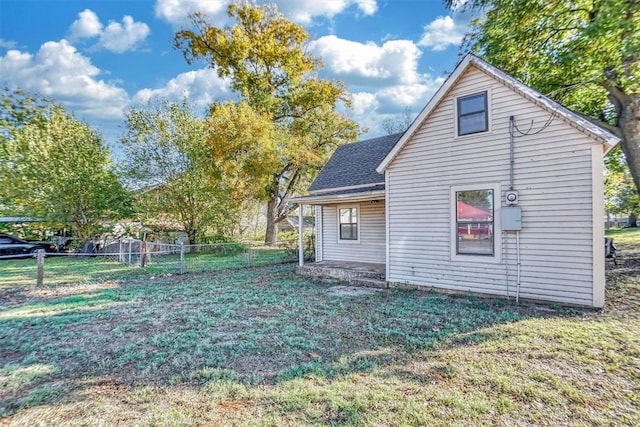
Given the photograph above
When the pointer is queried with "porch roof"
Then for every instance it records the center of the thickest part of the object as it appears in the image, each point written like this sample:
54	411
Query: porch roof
359	194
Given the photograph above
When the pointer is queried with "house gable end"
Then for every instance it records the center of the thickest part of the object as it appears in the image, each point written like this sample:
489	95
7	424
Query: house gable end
575	120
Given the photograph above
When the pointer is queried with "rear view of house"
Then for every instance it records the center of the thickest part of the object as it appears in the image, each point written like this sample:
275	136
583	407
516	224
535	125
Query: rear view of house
494	189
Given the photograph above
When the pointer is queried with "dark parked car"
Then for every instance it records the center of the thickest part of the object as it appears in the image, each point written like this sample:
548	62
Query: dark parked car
10	245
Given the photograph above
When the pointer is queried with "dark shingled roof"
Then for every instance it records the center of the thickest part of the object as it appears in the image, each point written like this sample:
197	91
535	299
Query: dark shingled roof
355	164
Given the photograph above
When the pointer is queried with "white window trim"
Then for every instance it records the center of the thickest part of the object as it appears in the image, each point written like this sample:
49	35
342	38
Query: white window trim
455	113
319	233
358	212
497	232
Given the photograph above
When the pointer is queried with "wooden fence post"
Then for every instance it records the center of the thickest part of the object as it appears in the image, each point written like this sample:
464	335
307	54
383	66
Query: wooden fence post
143	253
40	279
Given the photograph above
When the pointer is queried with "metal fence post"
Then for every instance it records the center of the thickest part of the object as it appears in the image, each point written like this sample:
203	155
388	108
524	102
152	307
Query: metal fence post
249	255
181	257
129	263
40	278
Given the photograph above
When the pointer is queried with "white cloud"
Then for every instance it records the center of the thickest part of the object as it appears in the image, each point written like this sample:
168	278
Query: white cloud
202	87
302	11
115	37
395	98
443	32
57	70
7	44
176	12
363	102
369	7
120	38
384	79
396	61
86	26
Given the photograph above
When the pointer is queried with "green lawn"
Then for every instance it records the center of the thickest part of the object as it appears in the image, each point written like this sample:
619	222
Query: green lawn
262	346
74	269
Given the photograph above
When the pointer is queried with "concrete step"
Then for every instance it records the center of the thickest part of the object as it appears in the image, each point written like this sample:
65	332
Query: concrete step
368	282
346	274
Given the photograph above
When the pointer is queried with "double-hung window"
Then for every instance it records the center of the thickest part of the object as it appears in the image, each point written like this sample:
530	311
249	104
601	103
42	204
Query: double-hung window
473	116
348	223
474	221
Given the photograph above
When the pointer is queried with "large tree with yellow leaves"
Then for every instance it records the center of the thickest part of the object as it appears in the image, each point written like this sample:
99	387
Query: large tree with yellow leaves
291	112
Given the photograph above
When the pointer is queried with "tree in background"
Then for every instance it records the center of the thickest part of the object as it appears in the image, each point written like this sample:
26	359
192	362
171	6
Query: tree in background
620	197
584	53
265	57
55	167
399	124
17	110
168	161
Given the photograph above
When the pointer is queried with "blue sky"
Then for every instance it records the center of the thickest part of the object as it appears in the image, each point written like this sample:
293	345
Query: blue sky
99	58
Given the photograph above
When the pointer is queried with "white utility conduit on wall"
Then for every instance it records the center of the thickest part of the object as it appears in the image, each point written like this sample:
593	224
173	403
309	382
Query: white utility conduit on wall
511	188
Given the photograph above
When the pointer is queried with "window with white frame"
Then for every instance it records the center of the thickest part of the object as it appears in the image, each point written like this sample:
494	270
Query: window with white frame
473	115
348	223
474	221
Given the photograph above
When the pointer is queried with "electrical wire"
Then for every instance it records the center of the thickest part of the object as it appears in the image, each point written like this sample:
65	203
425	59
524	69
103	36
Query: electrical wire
529	131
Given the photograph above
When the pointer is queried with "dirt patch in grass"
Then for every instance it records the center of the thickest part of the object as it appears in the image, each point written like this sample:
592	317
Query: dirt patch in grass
623	280
352	291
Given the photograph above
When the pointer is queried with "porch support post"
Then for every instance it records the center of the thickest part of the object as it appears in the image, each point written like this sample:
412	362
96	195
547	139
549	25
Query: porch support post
300	236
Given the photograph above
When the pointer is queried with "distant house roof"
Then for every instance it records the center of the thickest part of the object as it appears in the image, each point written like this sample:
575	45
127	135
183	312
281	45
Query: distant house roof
291	223
20	219
473	213
354	165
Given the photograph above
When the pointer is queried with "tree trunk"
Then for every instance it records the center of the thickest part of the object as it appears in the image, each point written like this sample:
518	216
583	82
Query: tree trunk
632	221
191	236
271	237
629	123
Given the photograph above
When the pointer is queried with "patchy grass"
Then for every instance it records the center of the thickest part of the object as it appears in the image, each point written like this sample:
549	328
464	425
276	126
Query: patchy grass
623	280
263	346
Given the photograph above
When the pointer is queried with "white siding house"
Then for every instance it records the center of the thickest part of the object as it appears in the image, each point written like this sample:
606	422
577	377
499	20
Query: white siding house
349	198
446	219
370	243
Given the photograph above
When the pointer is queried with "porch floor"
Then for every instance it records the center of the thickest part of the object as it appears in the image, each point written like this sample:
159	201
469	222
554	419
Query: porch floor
354	273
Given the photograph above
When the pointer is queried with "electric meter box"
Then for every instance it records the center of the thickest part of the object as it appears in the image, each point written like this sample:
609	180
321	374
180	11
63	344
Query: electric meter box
511	219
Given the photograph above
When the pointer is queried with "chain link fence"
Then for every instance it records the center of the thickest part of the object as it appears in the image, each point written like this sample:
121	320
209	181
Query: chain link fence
129	259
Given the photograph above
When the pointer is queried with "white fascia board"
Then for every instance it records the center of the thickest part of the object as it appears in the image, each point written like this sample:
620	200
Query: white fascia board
340	198
351	187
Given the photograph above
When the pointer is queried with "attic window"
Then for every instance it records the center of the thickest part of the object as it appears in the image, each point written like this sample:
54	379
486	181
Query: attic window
472	114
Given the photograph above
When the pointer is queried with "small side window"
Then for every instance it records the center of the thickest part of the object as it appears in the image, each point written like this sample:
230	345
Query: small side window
348	218
473	114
